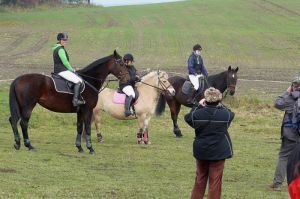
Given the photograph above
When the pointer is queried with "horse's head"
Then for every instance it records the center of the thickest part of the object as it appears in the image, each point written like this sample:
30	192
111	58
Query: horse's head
231	79
117	68
164	84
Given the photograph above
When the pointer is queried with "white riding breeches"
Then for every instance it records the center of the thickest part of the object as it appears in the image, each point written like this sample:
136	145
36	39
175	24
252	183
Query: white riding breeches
70	76
195	80
128	90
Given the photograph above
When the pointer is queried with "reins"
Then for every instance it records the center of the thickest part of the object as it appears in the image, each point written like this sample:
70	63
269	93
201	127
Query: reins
164	89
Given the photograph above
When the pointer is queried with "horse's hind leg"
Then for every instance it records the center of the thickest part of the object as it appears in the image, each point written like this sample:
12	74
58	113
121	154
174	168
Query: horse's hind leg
24	125
14	123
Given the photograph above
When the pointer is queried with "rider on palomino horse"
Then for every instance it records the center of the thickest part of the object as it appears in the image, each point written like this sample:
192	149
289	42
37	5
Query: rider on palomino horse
196	70
63	68
127	86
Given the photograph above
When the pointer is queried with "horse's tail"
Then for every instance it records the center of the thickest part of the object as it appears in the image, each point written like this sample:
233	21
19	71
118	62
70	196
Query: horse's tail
161	105
13	105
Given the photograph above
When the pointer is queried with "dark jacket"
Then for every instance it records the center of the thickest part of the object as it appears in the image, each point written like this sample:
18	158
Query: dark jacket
212	141
132	77
196	65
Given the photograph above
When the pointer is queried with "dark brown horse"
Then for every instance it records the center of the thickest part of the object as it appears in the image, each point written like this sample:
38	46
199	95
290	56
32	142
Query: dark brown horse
29	89
223	81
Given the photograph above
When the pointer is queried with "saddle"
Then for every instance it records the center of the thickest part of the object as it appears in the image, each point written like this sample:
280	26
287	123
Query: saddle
64	86
119	97
188	88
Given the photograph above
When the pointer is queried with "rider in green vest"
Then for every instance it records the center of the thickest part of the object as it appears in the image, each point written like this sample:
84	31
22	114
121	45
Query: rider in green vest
63	68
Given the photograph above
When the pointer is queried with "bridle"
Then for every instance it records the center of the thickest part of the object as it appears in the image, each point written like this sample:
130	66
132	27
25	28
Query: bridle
160	83
229	87
118	61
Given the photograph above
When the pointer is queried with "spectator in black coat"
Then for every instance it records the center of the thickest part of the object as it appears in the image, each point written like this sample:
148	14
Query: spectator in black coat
212	144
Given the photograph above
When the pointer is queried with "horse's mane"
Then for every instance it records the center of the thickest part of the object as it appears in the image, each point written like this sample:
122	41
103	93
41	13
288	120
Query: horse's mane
214	76
149	75
96	63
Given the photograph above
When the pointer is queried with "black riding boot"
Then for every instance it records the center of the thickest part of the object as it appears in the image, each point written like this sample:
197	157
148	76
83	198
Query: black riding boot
191	98
128	101
76	101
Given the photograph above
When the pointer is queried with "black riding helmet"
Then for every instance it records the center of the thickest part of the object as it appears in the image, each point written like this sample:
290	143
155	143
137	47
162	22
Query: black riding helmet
197	47
62	36
128	57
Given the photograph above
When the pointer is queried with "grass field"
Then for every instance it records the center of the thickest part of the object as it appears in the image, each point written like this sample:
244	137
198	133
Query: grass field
255	35
259	36
122	169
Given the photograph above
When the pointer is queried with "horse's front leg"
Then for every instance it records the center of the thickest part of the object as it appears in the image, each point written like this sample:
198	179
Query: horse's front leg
143	134
79	132
96	120
175	109
87	127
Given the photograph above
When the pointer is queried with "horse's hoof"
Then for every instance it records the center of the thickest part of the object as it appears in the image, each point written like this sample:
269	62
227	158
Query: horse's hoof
178	133
100	139
30	148
92	151
140	142
80	149
147	142
17	147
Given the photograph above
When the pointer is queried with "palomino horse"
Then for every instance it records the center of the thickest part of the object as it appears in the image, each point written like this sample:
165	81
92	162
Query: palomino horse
223	81
29	89
150	89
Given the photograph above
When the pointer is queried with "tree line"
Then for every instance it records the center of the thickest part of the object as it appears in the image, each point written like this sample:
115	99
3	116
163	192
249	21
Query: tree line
38	2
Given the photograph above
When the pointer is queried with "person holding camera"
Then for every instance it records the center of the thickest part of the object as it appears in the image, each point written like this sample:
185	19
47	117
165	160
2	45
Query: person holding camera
212	144
289	102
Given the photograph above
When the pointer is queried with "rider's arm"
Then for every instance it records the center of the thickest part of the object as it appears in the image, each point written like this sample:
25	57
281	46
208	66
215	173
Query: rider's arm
285	102
63	58
204	71
191	69
203	68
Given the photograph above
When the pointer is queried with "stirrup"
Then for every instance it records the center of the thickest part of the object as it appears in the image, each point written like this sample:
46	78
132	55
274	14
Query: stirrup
77	102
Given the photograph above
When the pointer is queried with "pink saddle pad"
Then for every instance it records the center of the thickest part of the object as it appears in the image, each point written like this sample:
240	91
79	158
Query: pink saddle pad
118	98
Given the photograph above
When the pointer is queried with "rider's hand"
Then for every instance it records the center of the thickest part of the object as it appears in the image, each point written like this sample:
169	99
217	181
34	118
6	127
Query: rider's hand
138	79
202	102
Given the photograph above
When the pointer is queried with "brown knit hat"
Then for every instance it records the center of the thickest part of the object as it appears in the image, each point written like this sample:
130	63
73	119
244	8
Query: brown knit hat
212	95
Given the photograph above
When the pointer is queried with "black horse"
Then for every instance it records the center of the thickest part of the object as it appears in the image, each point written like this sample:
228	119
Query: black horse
223	81
29	89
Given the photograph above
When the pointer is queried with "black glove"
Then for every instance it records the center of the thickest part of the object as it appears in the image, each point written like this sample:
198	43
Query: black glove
138	79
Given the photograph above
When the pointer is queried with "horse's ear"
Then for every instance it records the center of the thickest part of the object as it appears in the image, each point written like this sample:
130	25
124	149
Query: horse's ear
229	67
116	54
237	68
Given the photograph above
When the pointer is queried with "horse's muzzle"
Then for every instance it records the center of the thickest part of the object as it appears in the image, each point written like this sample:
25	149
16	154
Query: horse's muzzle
171	92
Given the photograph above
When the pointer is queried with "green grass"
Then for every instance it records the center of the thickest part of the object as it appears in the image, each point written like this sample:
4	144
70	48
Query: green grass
261	37
122	169
251	34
